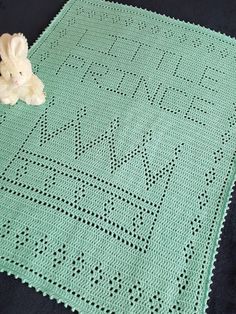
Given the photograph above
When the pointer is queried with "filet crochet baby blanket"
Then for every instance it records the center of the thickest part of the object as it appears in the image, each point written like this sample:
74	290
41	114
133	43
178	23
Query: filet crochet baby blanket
114	192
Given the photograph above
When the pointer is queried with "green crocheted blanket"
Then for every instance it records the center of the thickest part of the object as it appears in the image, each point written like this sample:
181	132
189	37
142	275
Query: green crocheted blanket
113	194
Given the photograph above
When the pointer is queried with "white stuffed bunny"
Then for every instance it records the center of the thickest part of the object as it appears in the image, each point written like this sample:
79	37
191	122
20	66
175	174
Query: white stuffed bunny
17	80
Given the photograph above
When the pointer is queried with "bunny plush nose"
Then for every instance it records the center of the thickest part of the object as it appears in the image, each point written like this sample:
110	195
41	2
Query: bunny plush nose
16	82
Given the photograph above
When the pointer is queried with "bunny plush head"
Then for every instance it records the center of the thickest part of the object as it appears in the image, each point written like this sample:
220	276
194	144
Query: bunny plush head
15	68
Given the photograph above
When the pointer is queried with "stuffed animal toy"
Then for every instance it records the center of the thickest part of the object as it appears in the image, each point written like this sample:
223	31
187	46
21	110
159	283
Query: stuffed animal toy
17	80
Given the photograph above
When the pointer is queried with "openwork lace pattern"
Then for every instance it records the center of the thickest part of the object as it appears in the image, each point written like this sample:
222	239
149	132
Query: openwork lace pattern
113	194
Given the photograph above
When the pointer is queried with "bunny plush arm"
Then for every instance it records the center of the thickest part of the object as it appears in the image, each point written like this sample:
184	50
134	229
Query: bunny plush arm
6	96
17	80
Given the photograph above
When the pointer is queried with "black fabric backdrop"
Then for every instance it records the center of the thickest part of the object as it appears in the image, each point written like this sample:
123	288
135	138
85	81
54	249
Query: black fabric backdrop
31	17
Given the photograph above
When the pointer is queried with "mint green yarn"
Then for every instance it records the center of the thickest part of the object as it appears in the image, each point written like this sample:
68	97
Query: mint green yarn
113	194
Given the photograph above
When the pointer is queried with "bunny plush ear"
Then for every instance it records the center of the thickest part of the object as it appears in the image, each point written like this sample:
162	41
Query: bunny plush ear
18	46
4	42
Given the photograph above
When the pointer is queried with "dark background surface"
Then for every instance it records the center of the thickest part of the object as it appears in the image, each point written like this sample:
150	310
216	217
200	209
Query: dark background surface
31	17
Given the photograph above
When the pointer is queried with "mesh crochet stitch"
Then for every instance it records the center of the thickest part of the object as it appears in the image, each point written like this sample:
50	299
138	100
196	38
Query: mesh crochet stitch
113	194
